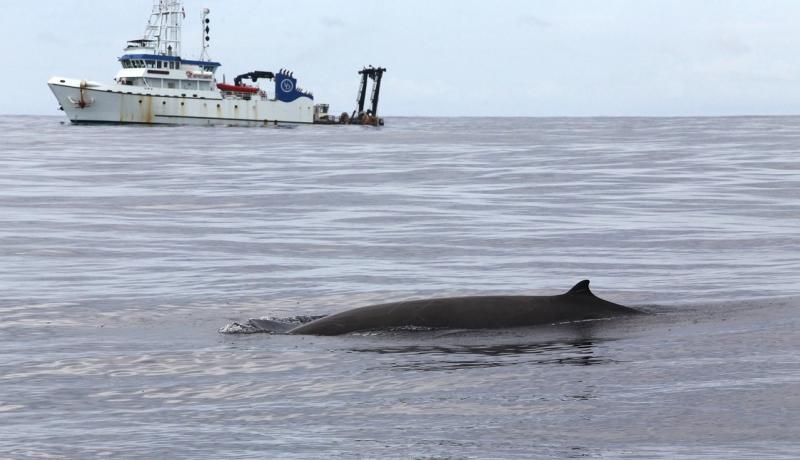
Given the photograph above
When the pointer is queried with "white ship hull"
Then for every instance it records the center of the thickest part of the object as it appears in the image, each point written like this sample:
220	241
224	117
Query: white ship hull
89	102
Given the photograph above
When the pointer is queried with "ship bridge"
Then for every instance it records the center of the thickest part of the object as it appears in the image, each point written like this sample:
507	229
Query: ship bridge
160	61
171	72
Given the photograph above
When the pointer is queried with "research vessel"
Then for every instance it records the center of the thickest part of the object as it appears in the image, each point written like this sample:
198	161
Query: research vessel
157	85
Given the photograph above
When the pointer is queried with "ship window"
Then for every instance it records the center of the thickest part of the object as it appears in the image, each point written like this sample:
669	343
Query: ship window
158	64
171	85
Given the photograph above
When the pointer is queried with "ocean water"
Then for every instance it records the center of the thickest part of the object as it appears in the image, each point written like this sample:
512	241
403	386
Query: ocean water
124	250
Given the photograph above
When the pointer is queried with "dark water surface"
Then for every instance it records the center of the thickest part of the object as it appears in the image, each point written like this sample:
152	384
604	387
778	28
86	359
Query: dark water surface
124	249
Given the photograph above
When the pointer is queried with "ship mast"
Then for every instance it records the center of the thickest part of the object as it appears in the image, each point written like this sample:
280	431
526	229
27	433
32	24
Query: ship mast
206	34
164	27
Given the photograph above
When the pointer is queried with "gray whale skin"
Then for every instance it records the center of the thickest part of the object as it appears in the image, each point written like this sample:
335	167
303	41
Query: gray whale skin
482	312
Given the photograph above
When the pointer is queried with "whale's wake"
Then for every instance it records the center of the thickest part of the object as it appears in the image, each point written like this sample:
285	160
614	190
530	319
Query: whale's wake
267	325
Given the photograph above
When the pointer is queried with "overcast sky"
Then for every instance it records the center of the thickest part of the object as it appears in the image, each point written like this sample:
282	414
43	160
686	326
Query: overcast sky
448	57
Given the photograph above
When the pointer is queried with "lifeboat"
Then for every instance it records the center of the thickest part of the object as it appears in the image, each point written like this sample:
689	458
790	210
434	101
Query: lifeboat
237	88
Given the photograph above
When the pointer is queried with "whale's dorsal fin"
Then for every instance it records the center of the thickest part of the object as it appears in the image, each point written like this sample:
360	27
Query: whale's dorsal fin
581	288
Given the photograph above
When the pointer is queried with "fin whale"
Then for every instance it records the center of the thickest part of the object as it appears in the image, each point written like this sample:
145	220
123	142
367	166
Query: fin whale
477	312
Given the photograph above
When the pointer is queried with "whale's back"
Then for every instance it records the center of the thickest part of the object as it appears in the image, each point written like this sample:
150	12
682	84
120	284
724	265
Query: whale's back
475	312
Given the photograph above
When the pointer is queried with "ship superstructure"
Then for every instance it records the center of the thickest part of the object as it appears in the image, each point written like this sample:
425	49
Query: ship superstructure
156	85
